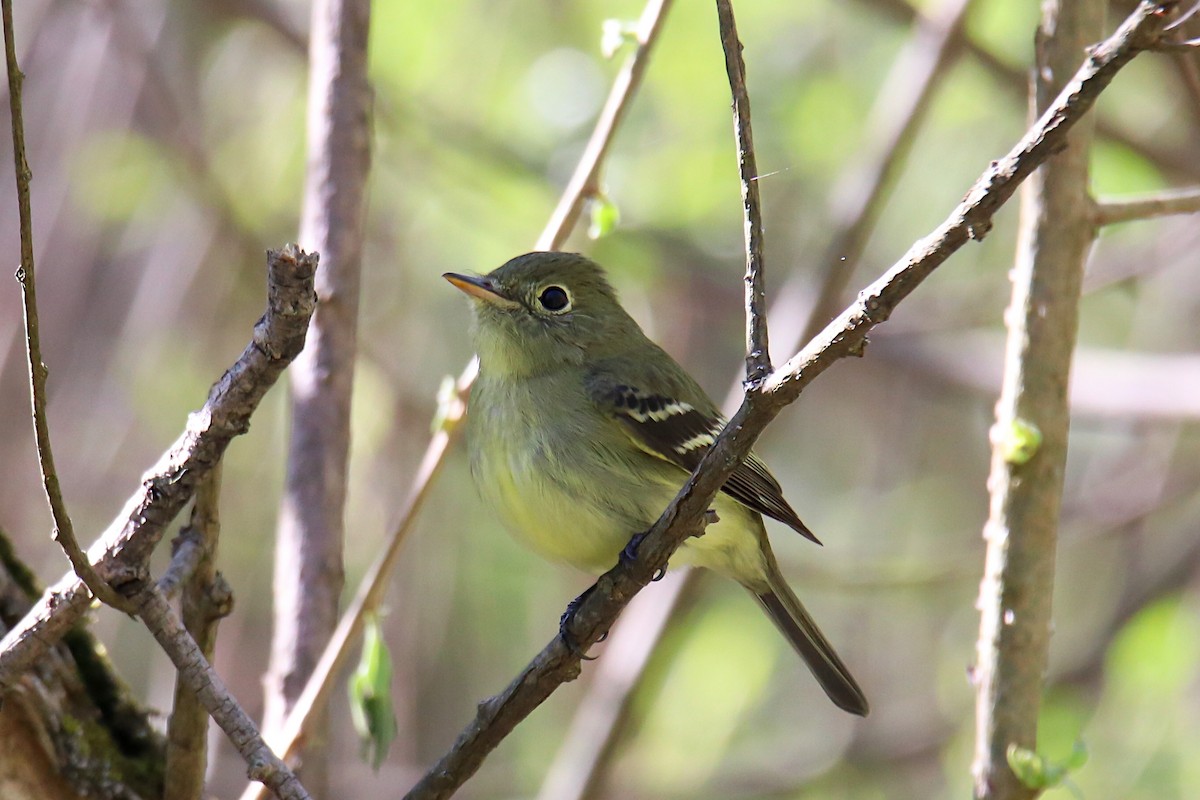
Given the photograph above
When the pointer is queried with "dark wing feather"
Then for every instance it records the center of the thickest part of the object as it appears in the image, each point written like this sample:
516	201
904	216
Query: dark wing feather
680	433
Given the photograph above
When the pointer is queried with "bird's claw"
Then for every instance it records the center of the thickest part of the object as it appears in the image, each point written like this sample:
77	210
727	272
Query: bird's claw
564	624
629	555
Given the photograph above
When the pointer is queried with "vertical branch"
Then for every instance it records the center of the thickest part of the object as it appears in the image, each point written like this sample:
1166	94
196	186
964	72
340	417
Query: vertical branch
308	563
1026	478
758	356
64	531
206	600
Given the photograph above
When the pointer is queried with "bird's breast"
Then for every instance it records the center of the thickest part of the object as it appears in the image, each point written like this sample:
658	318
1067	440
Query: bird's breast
550	478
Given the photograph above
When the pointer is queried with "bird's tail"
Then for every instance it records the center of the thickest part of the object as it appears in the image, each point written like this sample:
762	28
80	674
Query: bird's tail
789	616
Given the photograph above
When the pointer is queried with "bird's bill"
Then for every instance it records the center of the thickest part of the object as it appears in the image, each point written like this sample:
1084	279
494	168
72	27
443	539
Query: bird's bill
481	287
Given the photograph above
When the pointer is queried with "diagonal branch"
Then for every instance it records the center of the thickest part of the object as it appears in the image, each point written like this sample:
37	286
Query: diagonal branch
1013	80
166	488
845	336
589	745
194	671
903	102
758	355
64	531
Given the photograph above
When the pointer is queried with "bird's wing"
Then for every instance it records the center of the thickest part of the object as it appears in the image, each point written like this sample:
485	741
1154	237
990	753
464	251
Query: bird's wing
677	431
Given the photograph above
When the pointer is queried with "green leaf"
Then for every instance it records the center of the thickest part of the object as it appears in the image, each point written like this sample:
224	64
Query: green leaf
371	696
1018	440
1078	757
1038	772
605	216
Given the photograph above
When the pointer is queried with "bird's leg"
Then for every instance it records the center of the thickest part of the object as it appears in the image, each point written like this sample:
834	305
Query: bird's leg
564	623
629	554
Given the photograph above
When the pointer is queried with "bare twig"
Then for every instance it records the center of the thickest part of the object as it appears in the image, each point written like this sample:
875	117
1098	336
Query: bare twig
207	599
565	216
1026	480
845	336
199	676
1155	204
585	181
166	488
64	531
309	573
758	354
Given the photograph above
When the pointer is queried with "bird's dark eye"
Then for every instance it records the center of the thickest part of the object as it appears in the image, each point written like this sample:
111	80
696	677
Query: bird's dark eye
554	298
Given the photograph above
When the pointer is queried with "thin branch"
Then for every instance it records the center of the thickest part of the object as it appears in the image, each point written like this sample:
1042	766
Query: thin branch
1148	206
585	181
207	599
972	218
166	488
565	216
845	336
758	354
370	594
197	674
64	531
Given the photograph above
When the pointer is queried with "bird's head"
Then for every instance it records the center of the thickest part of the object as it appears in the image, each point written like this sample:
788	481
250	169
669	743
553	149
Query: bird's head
543	310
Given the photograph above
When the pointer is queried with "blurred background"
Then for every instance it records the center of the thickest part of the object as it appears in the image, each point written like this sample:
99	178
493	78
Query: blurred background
167	148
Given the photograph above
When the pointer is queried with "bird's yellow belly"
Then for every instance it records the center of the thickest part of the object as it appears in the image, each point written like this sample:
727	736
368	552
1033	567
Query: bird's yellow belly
556	524
567	525
578	499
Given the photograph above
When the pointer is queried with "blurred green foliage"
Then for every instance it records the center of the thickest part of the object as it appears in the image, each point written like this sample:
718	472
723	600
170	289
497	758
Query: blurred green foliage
168	147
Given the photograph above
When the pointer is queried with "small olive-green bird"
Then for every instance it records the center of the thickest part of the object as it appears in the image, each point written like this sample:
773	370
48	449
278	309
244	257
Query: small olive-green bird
581	431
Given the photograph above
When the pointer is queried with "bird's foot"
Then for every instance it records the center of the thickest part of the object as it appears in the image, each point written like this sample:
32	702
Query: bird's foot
564	625
629	554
